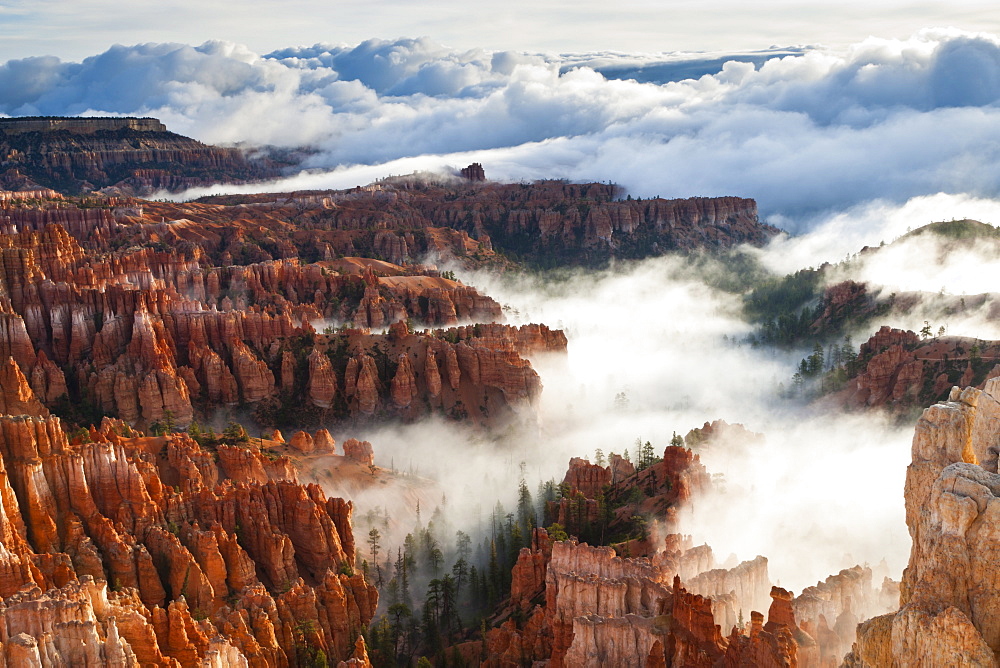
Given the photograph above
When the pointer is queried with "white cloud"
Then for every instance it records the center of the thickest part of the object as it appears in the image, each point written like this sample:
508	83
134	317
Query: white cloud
805	134
834	237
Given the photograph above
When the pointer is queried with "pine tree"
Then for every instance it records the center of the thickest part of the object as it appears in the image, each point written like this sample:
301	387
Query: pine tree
402	572
460	570
449	620
648	455
373	540
525	510
494	575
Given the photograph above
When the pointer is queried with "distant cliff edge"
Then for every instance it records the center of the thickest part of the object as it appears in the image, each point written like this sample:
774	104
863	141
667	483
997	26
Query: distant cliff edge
76	125
129	156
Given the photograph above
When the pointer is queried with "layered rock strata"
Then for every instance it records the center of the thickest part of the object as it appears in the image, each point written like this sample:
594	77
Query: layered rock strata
542	223
84	154
601	609
156	551
948	611
153	337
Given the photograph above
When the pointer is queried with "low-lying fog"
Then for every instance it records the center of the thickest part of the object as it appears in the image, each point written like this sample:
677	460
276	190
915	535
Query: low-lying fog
821	492
654	350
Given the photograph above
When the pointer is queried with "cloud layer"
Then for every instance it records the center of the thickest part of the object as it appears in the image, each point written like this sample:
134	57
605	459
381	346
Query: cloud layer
804	132
822	491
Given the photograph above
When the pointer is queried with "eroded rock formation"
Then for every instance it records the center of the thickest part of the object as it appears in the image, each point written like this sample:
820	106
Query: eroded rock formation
156	336
897	368
542	223
948	597
155	550
669	481
601	609
572	604
134	154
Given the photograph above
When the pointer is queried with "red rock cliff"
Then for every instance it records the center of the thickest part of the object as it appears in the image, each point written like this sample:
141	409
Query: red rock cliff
157	549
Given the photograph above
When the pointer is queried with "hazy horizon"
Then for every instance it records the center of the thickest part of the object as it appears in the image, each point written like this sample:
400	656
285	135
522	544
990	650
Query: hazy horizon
79	29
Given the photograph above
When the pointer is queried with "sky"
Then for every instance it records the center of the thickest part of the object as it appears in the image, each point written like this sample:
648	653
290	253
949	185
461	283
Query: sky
74	30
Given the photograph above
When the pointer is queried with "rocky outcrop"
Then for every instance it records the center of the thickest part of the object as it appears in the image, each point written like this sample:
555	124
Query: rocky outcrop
142	550
664	485
601	609
255	380
359	451
734	591
830	611
948	611
543	223
303	442
528	574
597	585
323	442
843	303
83	154
473	172
720	432
16	395
897	368
586	478
404	384
322	384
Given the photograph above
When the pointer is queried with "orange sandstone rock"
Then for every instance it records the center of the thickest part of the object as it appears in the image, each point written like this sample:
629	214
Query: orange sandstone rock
360	451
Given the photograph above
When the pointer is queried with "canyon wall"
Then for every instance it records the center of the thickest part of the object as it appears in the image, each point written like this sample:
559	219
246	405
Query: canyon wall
132	155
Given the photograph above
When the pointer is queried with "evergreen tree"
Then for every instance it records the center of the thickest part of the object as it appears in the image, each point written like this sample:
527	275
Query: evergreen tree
475	593
648	456
460	570
526	518
449	620
373	540
494	575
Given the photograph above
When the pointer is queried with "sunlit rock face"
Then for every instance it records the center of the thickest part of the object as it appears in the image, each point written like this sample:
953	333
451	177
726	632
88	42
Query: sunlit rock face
949	610
160	336
573	604
601	610
898	369
121	550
